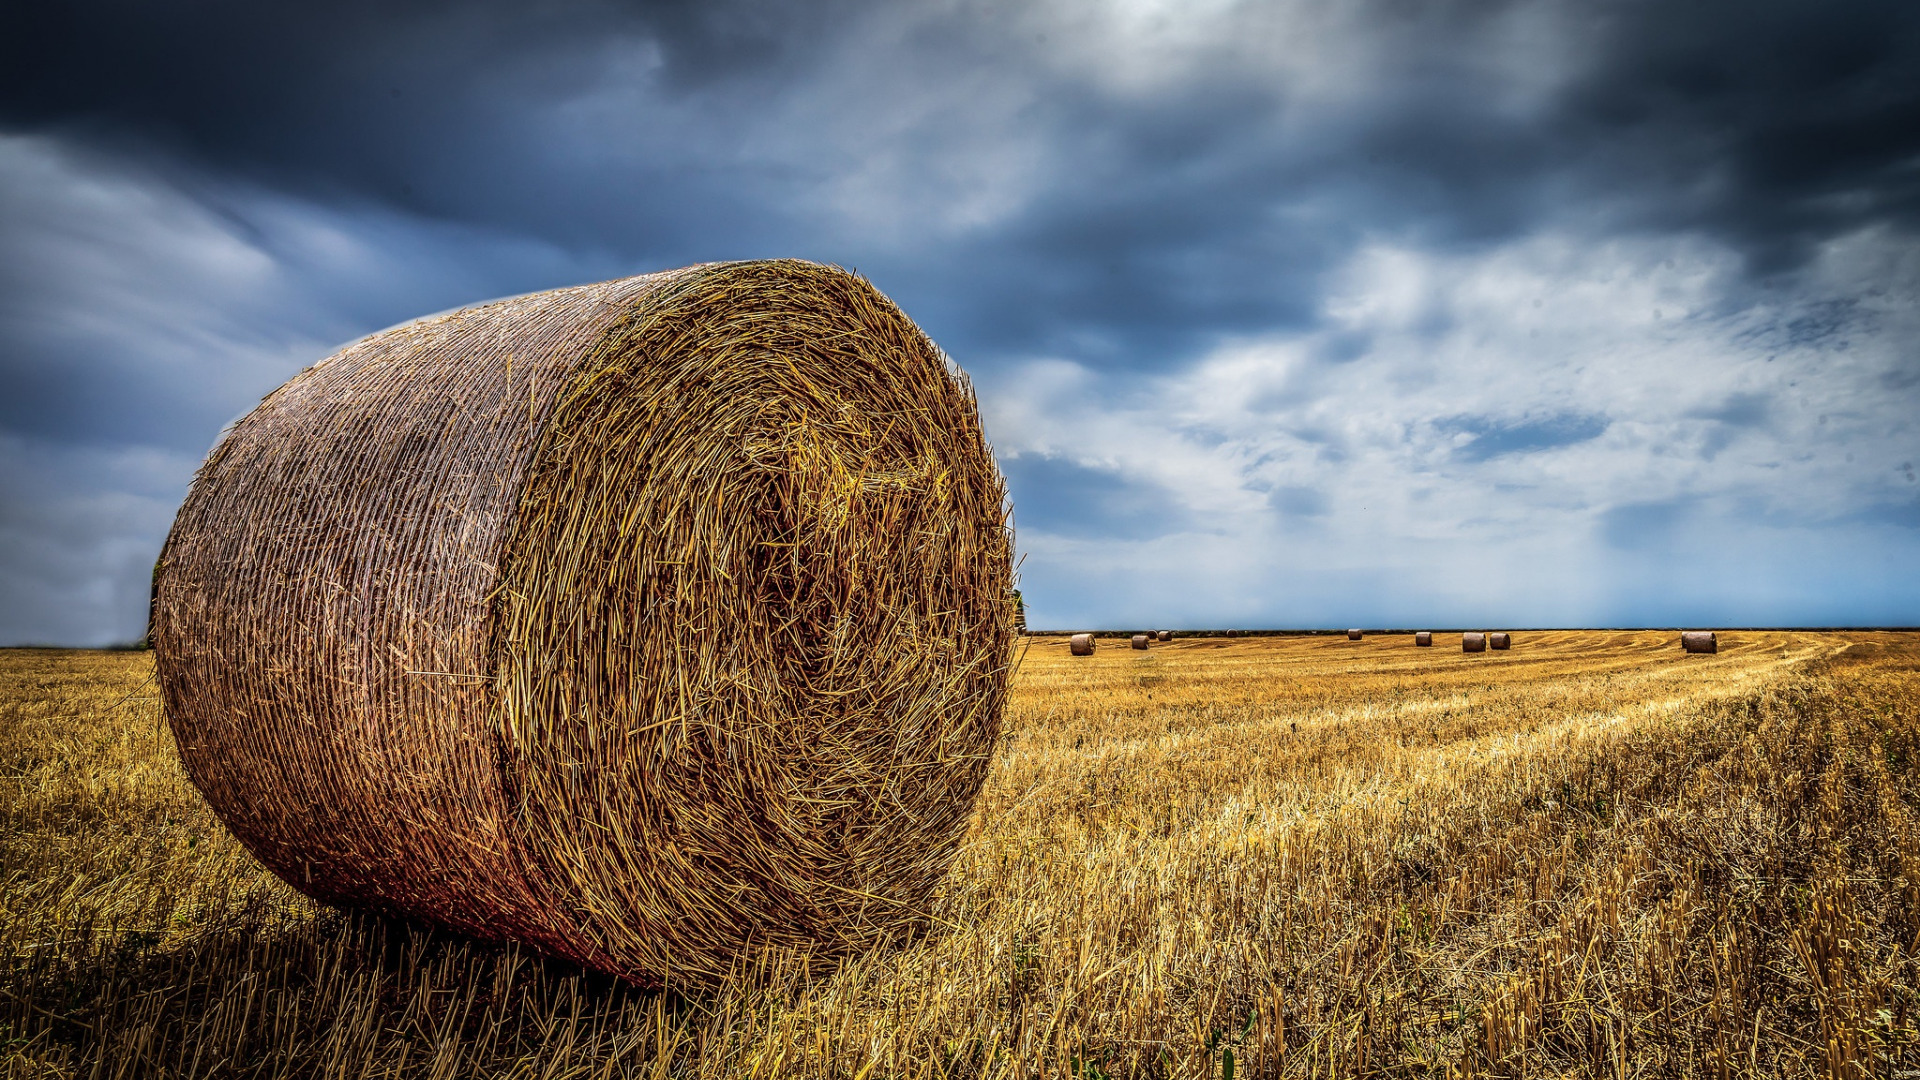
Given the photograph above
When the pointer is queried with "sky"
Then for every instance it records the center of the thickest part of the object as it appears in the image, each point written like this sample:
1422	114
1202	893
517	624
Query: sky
1298	314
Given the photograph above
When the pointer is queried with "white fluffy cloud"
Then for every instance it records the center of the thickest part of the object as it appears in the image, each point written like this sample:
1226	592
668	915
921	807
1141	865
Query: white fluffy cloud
1558	429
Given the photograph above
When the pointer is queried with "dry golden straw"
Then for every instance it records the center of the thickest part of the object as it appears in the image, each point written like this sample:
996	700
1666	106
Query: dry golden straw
1081	644
1700	641
654	623
1473	641
1499	639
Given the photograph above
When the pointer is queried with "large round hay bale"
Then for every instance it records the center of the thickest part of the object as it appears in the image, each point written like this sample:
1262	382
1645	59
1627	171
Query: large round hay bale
1166	635
1473	641
1699	641
1140	642
1499	639
651	623
1080	644
1423	637
1353	635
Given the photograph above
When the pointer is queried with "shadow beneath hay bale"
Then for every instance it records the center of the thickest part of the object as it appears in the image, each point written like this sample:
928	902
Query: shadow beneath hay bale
282	993
278	989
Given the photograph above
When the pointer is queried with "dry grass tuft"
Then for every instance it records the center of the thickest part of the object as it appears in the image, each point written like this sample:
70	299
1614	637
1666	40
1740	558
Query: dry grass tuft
1597	858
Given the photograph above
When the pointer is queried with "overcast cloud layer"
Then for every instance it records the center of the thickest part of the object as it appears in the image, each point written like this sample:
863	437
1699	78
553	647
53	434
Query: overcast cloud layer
1299	314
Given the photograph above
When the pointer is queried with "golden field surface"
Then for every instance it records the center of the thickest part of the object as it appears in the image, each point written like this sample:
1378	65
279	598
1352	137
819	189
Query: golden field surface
1592	855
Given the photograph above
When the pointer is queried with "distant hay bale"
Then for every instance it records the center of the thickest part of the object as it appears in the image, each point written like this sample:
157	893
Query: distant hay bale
1473	641
1499	640
1166	635
1423	637
1233	633
1699	641
1353	635
1081	644
1140	641
650	623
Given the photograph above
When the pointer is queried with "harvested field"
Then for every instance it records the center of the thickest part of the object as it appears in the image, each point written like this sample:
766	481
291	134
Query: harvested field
1280	856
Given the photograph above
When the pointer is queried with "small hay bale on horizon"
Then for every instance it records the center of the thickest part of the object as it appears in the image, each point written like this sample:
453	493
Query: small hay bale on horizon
1140	641
1353	635
1499	640
1080	644
1165	635
1699	641
531	621
1473	641
1423	637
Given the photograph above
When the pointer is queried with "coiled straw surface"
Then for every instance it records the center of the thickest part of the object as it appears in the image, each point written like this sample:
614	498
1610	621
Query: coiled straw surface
1473	641
652	623
1423	637
1699	641
1499	639
1140	642
1080	644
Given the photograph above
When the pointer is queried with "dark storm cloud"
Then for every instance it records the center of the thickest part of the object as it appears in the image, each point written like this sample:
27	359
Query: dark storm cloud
204	197
1161	222
346	91
438	110
1780	123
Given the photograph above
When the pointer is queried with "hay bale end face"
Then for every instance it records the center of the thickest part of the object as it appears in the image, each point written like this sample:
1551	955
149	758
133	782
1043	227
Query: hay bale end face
1353	635
1699	641
1080	645
1140	642
1499	640
534	620
1423	637
1473	641
1166	635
